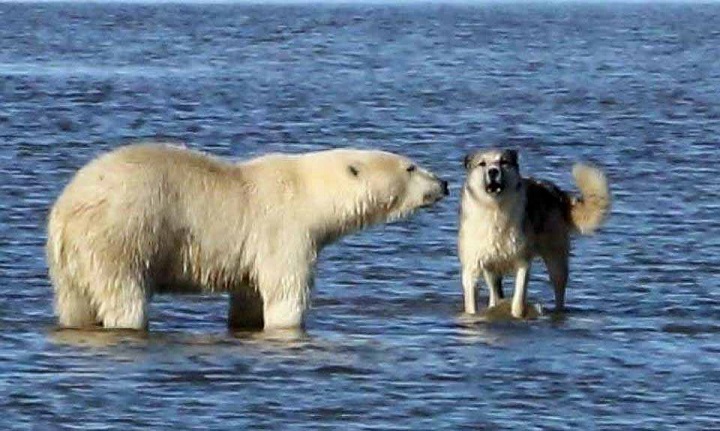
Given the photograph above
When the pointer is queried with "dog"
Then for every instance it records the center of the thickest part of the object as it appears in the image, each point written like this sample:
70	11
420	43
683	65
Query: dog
507	220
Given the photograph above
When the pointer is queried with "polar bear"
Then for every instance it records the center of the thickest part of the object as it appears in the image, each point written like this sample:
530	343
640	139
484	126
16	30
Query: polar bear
155	218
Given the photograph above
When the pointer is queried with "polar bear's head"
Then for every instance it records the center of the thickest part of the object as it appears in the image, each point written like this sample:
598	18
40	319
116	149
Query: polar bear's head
361	187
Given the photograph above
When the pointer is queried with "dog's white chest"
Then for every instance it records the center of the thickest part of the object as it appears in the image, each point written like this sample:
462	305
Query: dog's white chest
493	240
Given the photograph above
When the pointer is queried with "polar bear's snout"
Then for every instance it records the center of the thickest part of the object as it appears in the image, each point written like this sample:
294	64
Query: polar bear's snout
436	190
441	189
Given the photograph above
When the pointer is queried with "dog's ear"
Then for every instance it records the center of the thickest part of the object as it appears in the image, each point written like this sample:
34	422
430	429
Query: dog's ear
467	161
512	157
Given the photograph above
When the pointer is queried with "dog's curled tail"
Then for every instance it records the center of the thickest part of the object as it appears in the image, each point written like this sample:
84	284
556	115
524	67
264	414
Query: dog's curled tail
588	211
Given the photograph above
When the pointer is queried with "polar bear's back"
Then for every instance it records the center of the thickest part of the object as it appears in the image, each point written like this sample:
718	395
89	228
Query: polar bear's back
140	177
138	207
139	170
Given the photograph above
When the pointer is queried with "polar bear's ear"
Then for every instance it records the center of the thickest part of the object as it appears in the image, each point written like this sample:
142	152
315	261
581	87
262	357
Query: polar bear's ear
353	170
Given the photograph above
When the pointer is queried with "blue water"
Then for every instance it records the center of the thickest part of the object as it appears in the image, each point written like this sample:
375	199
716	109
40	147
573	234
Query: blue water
632	88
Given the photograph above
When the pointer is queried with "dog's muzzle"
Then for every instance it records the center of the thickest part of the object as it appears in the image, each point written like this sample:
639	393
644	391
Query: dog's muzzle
494	183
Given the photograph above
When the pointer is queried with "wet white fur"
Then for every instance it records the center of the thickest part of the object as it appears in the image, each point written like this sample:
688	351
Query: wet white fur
491	238
150	215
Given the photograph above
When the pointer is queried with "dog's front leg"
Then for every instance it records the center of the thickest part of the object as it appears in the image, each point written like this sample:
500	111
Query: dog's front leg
520	294
469	279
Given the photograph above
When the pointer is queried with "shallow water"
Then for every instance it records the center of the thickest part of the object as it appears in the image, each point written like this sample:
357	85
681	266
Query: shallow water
631	88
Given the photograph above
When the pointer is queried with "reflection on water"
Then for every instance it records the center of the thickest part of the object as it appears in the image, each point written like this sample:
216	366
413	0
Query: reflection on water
110	338
501	312
630	88
98	338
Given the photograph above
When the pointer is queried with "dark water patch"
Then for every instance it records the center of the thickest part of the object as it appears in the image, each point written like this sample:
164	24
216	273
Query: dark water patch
691	330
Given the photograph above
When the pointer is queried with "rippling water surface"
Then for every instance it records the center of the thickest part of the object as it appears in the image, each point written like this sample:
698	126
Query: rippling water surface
634	89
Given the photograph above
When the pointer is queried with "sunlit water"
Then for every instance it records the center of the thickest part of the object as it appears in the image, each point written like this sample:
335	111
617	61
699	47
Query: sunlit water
635	89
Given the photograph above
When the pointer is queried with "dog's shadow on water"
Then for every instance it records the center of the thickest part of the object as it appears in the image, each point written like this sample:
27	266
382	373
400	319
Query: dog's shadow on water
502	313
493	325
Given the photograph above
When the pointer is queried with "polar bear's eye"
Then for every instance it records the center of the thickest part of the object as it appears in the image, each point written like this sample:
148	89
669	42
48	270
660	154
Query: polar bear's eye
411	168
353	170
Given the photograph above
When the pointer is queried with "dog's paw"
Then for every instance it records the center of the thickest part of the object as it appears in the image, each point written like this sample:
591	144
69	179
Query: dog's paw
517	310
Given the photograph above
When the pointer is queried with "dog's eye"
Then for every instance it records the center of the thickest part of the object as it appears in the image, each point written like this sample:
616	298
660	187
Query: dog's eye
504	162
482	164
411	168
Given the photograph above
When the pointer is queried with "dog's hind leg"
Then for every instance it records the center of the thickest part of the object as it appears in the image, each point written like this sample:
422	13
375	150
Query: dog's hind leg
557	267
494	284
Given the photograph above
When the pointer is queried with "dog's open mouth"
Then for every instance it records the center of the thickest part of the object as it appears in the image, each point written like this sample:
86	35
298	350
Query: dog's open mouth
494	188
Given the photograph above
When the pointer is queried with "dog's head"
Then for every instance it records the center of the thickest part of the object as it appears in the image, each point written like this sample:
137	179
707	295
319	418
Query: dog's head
493	173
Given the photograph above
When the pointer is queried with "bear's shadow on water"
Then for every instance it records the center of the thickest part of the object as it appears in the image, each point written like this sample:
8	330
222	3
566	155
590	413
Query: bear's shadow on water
98	337
105	338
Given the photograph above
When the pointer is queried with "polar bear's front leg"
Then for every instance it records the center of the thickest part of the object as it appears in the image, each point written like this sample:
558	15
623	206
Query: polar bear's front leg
285	298
284	314
246	309
284	274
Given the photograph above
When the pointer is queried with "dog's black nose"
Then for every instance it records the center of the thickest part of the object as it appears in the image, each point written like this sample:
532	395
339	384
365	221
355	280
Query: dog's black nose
493	173
444	185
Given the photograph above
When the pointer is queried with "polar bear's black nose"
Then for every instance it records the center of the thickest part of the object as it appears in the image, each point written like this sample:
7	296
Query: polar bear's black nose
444	185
